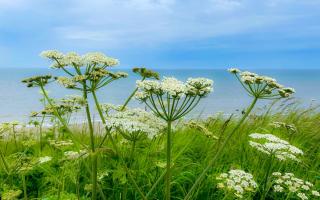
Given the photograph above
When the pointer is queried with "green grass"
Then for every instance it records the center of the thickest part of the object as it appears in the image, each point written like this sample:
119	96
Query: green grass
191	152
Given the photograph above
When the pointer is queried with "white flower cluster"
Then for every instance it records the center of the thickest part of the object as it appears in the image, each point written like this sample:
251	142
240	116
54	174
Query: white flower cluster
74	59
134	122
61	143
174	88
237	181
44	159
66	82
288	183
270	144
263	86
290	127
73	155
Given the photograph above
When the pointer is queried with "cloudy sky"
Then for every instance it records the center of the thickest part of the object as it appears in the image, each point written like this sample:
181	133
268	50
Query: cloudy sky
165	33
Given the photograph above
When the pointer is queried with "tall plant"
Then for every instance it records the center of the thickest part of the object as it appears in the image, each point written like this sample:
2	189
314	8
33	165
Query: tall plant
87	74
257	87
171	100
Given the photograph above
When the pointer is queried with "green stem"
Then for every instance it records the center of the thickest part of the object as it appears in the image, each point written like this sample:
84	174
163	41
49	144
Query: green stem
4	162
40	132
220	150
266	179
92	141
25	196
168	176
130	97
56	113
104	122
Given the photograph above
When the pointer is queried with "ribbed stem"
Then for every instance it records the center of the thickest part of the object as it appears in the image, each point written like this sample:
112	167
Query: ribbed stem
168	176
94	159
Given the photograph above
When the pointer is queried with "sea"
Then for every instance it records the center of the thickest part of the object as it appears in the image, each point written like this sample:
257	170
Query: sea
17	101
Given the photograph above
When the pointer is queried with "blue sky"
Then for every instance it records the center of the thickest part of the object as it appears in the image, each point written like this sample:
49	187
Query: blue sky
280	34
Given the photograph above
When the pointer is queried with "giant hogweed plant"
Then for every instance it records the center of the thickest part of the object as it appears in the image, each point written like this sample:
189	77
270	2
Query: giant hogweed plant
170	100
259	88
87	74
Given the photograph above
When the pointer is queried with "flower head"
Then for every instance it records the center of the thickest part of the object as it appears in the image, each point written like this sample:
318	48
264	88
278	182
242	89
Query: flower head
37	81
237	181
288	183
134	123
261	86
270	144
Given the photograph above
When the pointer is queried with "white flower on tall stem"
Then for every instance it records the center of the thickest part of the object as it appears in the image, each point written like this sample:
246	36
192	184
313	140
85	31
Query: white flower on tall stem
272	145
171	99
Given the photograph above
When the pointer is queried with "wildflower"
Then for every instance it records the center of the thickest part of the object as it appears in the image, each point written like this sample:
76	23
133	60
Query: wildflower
73	155
44	159
60	143
133	123
272	145
94	58
288	183
66	82
37	81
238	182
263	87
51	54
234	70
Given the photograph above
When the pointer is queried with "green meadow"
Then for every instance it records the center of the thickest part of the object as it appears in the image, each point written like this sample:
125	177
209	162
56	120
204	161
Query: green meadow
269	152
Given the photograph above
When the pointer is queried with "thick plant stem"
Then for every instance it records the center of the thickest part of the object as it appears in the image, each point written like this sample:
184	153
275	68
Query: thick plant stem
266	178
104	122
24	185
94	159
168	176
220	150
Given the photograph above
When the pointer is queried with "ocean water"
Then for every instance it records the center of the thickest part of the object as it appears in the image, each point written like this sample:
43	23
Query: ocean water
17	101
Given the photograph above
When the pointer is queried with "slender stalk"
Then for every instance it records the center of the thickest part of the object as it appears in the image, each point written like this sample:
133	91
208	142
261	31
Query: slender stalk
130	97
24	185
220	150
40	132
104	122
4	162
112	141
55	111
266	178
168	176
92	141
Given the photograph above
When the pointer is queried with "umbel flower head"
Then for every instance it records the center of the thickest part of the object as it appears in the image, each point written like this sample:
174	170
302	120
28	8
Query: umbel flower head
289	184
37	81
146	73
73	59
135	123
238	182
262	87
272	145
170	98
64	106
87	72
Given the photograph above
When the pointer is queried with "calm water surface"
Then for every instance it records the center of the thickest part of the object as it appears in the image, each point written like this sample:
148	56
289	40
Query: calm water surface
17	101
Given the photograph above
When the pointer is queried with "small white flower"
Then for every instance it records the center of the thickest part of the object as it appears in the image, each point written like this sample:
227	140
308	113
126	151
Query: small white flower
302	196
44	159
315	193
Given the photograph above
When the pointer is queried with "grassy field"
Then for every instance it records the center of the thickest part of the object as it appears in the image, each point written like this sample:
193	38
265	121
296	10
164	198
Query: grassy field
194	144
158	153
